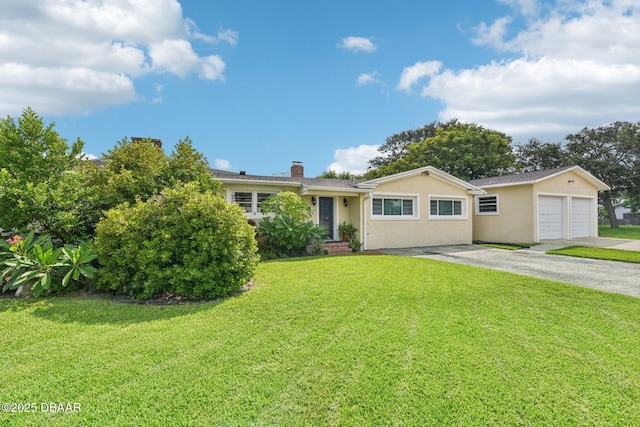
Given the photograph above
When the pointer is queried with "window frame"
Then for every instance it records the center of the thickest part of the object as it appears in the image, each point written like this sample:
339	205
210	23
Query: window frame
403	197
464	211
497	204
255	212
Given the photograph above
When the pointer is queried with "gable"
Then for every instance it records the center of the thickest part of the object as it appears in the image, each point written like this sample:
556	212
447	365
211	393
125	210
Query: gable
415	174
551	175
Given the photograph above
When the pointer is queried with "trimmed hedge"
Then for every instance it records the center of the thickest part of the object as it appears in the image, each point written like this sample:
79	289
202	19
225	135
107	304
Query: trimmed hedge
183	241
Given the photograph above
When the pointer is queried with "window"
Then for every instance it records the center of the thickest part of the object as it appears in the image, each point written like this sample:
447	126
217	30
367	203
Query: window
245	200
250	200
487	205
393	207
261	197
447	208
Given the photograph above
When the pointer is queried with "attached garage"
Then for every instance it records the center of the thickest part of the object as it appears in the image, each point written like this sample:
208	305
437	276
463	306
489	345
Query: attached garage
551	215
540	205
553	212
583	211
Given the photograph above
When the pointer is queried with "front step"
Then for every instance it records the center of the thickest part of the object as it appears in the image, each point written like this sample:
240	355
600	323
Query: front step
332	248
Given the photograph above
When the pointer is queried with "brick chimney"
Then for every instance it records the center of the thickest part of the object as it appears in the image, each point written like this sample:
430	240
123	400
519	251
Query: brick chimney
297	170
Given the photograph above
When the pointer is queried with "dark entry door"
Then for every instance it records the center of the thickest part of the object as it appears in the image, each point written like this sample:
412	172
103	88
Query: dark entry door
326	215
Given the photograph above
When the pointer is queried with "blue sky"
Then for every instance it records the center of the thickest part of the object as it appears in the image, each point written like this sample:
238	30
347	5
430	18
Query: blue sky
257	85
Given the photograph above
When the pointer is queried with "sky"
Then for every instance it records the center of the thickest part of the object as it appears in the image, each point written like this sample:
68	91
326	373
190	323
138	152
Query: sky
257	84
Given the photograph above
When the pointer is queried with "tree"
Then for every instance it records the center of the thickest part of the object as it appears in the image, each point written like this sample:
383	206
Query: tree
140	170
466	151
396	145
39	188
536	155
612	154
331	174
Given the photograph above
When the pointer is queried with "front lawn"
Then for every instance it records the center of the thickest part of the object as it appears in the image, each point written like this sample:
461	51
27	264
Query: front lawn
358	341
622	232
598	253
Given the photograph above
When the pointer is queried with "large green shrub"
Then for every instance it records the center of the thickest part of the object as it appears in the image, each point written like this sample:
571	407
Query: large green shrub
39	187
286	229
183	241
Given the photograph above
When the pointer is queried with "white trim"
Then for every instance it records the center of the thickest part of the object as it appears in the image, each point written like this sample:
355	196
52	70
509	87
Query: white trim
258	182
464	207
593	225
566	218
415	197
254	214
477	205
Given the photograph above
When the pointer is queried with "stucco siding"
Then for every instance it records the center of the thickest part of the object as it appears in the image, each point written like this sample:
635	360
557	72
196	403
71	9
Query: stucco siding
568	183
515	220
420	230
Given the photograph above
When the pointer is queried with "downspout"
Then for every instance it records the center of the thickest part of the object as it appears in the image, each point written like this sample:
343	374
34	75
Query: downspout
364	221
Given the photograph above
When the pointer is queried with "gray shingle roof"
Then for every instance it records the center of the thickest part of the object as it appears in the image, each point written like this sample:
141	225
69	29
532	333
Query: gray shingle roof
312	182
517	178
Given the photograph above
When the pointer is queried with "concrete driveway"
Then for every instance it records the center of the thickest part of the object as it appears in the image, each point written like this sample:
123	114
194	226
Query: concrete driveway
608	276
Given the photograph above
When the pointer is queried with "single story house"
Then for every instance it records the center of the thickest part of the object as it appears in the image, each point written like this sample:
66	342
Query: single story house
421	207
529	207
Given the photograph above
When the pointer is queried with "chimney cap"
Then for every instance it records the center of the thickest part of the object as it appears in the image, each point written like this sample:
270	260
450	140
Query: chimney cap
297	162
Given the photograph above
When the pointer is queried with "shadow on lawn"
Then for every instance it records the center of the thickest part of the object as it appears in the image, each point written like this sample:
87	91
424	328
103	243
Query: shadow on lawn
92	309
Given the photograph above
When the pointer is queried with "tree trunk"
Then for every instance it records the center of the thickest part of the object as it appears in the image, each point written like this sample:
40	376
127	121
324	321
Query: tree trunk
611	212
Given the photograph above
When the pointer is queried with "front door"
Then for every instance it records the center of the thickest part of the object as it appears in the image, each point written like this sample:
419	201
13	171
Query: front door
325	213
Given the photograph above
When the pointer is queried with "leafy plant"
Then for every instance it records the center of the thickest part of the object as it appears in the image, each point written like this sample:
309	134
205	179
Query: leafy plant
37	189
183	241
347	231
78	259
37	262
286	229
355	244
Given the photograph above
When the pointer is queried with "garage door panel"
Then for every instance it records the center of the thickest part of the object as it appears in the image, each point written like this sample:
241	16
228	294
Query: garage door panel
550	217
582	217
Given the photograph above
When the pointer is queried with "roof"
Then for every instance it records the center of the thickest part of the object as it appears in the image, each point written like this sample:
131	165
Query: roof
537	176
315	184
310	183
428	170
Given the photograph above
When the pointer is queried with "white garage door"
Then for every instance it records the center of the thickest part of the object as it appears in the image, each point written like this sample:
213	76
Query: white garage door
550	217
582	217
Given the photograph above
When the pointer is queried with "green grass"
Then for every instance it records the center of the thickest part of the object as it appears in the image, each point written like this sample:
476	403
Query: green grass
598	253
622	232
356	341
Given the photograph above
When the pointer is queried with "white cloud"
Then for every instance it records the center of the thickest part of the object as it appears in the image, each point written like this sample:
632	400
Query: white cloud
493	34
79	56
357	44
526	7
368	78
578	65
411	75
224	34
88	156
353	159
222	164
